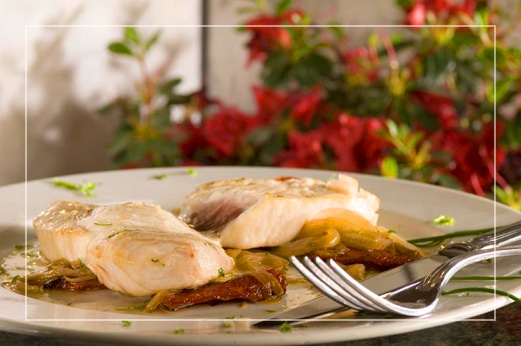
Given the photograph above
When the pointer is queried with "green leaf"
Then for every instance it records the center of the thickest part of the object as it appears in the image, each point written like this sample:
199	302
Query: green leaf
311	68
178	100
392	128
405	4
389	167
511	138
132	35
119	144
448	181
336	30
151	41
276	67
502	88
166	87
414	139
283	6
436	64
120	48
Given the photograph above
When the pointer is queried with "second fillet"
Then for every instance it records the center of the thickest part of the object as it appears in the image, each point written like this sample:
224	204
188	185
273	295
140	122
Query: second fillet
251	213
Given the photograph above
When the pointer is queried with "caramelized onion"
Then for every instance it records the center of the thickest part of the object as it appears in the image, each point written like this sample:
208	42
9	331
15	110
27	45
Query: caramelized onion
311	240
156	300
355	230
253	261
271	288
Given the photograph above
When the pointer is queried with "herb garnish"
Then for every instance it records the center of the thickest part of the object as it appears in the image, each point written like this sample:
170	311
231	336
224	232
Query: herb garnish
126	323
84	189
157	261
179	331
160	176
486	278
192	172
483	289
435	240
443	220
285	327
221	272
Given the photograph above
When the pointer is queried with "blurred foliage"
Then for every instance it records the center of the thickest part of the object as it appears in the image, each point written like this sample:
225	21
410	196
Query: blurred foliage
437	102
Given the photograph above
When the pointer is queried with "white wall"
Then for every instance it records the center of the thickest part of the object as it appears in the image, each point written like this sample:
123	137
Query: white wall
70	74
231	81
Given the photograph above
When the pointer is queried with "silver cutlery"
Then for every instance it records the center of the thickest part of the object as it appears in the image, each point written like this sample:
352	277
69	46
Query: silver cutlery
416	299
323	306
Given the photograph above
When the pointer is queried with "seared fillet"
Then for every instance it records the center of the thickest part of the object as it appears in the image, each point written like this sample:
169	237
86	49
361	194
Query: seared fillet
58	231
141	263
134	248
250	213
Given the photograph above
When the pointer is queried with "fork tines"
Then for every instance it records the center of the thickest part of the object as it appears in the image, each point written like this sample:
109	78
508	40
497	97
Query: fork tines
334	282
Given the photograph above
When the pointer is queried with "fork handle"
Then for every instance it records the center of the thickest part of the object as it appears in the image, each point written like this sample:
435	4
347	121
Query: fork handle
441	275
500	237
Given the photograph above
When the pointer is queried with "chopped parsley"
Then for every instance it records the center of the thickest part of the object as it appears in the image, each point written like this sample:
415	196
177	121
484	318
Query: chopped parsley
226	325
84	189
179	331
221	272
126	323
160	176
192	172
391	230
114	234
285	327
154	260
443	220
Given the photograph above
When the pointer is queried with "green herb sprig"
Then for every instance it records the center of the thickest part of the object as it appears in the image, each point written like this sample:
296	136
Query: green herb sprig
483	290
436	240
84	189
443	220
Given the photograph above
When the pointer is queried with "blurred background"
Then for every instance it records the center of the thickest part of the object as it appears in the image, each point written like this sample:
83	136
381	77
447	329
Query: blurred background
403	89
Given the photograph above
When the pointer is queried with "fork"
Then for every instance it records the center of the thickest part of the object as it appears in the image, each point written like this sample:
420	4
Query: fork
418	298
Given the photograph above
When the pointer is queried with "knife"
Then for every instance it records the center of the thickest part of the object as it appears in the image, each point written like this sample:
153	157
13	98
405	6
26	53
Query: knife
323	306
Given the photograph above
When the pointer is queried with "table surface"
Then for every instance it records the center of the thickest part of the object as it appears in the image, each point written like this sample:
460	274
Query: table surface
505	330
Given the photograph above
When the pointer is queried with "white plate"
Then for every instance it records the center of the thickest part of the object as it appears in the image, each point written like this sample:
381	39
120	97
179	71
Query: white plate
405	206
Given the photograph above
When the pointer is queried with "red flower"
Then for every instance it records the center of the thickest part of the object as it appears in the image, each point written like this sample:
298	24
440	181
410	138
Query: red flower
270	103
269	34
305	106
440	106
195	140
446	11
355	142
473	155
416	15
305	151
360	62
226	129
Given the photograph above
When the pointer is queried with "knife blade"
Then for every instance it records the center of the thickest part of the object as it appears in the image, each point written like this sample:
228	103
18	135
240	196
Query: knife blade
323	306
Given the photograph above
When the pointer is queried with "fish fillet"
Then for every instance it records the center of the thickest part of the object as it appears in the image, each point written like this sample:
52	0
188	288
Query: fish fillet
251	213
58	231
137	249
